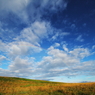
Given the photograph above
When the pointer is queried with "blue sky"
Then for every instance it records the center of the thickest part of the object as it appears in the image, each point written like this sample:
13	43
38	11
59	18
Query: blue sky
48	40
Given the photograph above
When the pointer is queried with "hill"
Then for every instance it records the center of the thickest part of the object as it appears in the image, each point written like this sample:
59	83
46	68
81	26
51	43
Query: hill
22	86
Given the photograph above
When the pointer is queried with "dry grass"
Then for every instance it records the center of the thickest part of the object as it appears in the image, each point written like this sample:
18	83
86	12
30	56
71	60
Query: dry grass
20	86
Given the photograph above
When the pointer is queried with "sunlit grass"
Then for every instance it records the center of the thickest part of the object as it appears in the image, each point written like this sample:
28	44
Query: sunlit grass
21	86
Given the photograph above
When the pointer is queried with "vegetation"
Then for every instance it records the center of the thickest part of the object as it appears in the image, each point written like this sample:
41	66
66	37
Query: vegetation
21	86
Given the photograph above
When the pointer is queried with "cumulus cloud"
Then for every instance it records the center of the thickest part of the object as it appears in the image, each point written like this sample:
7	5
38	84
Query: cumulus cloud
18	48
65	58
40	29
22	48
56	63
61	63
80	52
3	72
20	65
25	17
85	68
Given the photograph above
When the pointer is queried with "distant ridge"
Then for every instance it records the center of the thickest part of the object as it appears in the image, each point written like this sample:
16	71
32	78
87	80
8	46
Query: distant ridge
85	81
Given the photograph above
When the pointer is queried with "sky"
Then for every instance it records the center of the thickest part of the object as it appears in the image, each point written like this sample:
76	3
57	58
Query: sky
48	39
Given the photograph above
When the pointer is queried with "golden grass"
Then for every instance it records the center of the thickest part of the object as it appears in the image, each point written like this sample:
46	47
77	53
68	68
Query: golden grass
20	86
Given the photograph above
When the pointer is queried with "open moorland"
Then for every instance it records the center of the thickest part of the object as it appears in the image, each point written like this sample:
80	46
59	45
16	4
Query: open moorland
22	86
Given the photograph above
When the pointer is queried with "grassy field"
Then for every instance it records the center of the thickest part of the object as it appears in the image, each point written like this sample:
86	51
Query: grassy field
21	86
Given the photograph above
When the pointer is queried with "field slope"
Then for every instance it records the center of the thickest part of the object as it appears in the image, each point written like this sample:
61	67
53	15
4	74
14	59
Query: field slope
21	86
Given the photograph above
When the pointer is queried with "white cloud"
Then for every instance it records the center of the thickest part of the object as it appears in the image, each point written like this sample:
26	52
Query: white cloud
57	59
19	48
3	72
73	26
7	34
59	34
56	45
41	29
3	46
56	63
65	34
65	48
25	9
28	35
35	33
85	68
60	63
28	42
54	37
93	47
20	65
79	38
55	4
17	7
80	52
12	5
2	58
22	48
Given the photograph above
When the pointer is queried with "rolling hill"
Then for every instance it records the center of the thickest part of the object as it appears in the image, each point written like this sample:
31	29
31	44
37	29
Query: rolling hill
22	86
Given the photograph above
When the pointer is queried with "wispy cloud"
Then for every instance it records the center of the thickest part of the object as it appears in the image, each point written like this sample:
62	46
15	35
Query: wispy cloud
65	48
21	14
59	35
36	32
93	47
79	38
26	8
